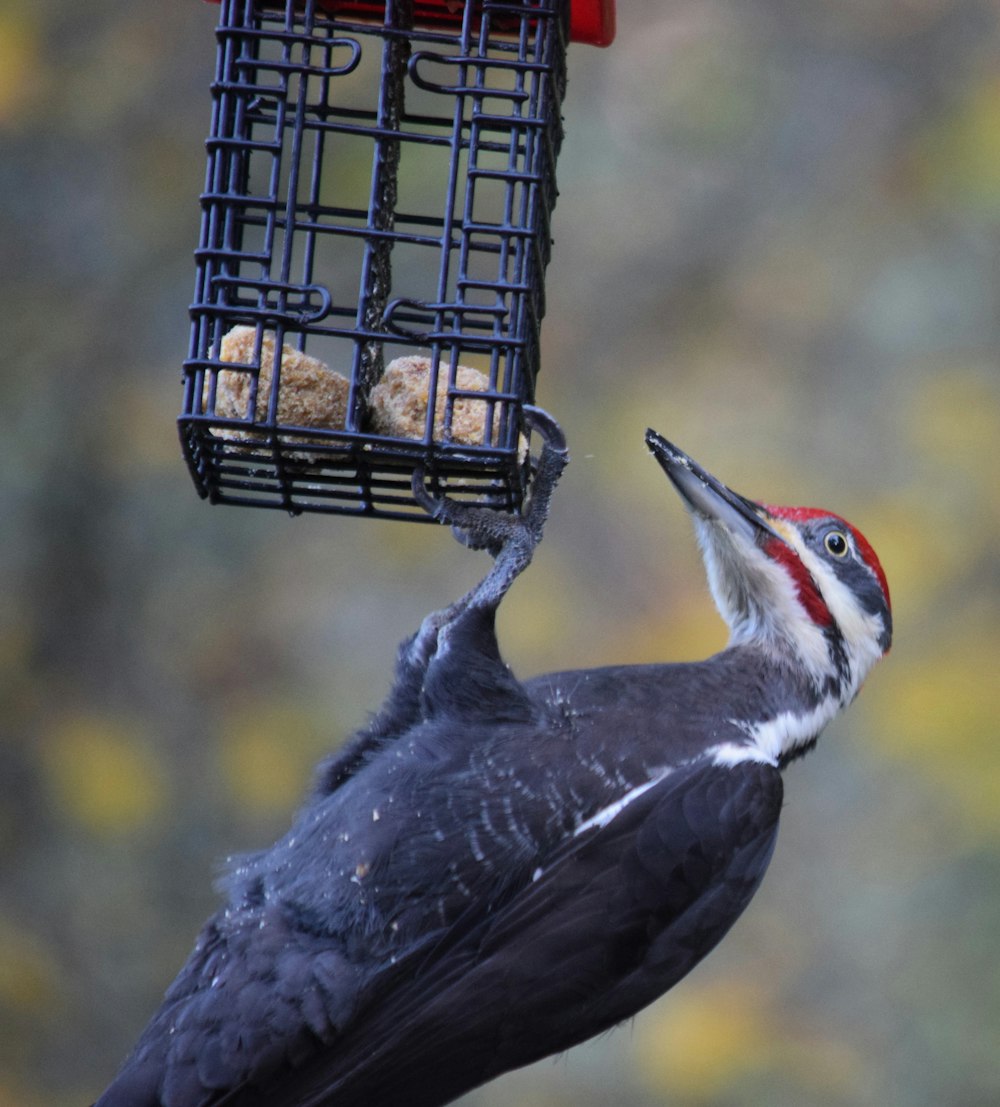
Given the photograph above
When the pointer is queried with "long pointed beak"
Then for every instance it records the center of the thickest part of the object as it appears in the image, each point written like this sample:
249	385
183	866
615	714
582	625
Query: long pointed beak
709	497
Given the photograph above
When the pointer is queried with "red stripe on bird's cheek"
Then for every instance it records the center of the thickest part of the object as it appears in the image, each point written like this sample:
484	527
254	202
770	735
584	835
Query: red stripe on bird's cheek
805	587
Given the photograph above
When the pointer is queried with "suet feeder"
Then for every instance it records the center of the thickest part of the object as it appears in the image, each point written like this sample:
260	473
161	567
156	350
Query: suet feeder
374	238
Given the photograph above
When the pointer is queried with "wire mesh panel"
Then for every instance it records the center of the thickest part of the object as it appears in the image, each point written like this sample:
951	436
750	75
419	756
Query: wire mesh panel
374	238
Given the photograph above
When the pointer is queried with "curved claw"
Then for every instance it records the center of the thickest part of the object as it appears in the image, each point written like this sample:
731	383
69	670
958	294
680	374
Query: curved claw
552	434
547	470
433	506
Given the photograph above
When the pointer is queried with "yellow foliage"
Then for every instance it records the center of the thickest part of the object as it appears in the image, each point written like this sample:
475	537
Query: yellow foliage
689	630
539	608
11	1096
954	418
28	975
959	156
700	1041
948	521
21	66
101	775
915	543
938	714
266	753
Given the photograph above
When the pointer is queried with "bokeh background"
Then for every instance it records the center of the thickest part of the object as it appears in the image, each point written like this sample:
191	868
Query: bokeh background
777	243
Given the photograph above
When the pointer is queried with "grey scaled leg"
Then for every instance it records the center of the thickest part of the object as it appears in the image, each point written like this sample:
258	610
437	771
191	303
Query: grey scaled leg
466	677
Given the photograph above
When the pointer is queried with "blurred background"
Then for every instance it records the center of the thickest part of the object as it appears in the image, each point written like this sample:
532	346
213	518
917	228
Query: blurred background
777	243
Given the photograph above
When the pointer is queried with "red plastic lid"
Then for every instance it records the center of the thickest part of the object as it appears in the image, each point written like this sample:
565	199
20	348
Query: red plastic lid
590	21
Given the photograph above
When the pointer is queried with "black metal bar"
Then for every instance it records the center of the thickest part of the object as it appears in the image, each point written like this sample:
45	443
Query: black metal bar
314	236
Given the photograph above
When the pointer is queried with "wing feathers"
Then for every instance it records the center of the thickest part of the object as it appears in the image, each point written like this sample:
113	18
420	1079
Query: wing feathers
618	915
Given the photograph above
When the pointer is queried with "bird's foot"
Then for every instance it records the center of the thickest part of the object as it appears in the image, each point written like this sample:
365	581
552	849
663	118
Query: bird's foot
488	528
510	539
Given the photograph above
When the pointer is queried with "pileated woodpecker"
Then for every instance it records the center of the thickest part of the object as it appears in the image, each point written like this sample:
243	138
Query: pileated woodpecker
495	870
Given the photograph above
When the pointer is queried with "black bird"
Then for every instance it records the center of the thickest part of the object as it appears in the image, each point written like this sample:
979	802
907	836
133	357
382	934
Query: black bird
495	870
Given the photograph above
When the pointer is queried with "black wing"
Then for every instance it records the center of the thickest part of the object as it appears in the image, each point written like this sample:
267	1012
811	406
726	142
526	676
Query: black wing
616	917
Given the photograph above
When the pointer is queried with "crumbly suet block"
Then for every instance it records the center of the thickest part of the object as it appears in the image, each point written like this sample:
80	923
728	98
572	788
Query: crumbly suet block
399	403
310	393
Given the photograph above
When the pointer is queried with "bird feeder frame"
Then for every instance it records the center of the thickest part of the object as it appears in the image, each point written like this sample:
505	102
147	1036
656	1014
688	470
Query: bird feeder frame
380	183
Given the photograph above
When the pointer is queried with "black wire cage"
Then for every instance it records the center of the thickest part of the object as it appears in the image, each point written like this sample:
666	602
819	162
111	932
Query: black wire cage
375	232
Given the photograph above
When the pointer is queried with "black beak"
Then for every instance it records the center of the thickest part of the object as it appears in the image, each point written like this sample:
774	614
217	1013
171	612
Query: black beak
709	497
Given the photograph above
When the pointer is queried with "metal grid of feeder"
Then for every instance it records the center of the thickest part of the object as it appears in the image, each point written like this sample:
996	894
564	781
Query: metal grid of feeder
375	233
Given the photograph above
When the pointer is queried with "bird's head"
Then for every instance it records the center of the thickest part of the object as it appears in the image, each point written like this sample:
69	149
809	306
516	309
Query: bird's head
801	583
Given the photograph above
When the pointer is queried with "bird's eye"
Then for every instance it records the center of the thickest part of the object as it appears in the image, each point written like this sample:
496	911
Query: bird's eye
836	543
